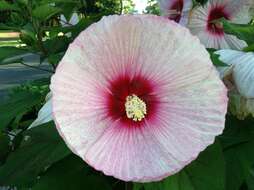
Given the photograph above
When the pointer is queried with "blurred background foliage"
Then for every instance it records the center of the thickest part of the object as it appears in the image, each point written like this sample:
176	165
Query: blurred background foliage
152	7
38	159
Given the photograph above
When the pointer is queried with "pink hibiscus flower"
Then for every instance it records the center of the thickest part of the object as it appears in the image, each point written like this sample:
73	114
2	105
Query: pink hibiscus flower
137	97
177	10
203	22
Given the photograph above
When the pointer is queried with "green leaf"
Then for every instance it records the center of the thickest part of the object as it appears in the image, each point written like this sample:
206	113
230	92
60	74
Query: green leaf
242	31
44	12
215	58
238	142
155	186
181	181
55	58
40	82
28	34
67	6
39	149
57	44
138	186
249	48
250	180
60	1
83	24
22	2
209	165
71	173
5	6
238	163
18	104
4	147
205	173
7	27
236	132
11	53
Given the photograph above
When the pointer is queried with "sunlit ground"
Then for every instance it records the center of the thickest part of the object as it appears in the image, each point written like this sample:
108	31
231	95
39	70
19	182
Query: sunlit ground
9	34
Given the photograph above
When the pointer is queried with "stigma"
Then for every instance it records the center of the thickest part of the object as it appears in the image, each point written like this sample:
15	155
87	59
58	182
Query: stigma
135	108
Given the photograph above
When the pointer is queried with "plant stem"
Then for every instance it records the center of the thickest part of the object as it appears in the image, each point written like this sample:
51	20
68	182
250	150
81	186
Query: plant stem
121	7
40	44
42	48
8	133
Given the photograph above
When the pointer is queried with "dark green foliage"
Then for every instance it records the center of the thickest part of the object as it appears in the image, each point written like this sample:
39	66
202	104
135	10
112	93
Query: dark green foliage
105	7
242	31
40	147
6	6
238	143
249	48
71	173
153	7
20	102
45	12
5	147
250	179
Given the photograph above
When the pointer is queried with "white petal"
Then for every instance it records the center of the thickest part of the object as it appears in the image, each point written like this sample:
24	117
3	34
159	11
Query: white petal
45	113
229	56
73	20
234	43
243	70
240	10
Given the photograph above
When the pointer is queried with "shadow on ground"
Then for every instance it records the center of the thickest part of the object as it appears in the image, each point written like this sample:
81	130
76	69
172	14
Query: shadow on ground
15	74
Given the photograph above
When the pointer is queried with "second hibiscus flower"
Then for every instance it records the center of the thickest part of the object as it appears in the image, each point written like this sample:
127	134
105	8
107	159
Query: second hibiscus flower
177	10
204	22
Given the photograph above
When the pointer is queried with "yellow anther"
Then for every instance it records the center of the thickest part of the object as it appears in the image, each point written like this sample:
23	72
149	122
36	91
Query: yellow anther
135	108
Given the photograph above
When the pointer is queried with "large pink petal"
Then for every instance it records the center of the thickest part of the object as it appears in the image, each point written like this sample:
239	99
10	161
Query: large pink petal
187	86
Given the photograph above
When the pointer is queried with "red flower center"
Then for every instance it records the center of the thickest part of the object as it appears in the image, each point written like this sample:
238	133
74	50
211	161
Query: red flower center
176	10
215	14
125	86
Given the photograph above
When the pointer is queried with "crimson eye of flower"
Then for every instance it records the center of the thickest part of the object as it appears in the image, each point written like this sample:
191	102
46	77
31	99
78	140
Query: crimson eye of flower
137	97
214	26
176	9
125	90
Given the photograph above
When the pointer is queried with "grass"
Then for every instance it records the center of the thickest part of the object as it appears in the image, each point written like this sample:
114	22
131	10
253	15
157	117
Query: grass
9	38
9	43
8	34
